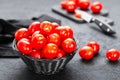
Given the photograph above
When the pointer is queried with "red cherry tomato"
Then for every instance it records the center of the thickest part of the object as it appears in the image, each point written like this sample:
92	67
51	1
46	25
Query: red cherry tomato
38	41
61	53
35	54
64	32
95	45
24	46
113	54
54	38
86	53
96	7
69	45
77	15
71	6
54	24
76	1
21	33
63	4
50	51
84	4
35	26
36	32
46	28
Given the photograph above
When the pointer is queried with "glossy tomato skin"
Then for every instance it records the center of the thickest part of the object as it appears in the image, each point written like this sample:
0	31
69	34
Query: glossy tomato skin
38	41
64	32
54	38
113	54
35	26
83	4
63	4
24	46
69	33
76	1
61	53
54	24
36	32
50	51
69	45
21	33
35	54
46	28
95	45
96	7
86	52
71	6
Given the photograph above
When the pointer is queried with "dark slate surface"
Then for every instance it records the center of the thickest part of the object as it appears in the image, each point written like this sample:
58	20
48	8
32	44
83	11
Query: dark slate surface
97	69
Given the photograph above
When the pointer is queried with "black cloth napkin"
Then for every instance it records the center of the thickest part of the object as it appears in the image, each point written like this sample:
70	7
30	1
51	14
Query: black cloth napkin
8	28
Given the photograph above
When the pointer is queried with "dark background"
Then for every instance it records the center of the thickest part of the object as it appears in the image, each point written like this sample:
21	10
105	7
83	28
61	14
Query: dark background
97	69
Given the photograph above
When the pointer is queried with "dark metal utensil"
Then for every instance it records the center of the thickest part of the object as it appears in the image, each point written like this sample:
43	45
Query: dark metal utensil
105	27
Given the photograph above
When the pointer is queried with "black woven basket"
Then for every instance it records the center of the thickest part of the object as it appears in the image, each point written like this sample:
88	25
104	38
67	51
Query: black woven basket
44	66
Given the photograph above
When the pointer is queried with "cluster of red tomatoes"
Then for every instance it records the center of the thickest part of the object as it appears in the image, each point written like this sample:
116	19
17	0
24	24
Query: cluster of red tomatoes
92	48
50	40
45	40
71	5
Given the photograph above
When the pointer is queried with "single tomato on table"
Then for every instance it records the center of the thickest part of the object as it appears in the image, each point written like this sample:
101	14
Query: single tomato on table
96	7
86	52
71	6
83	4
95	45
76	1
113	54
63	4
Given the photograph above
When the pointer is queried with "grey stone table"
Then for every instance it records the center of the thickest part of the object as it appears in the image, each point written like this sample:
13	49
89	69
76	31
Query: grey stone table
97	69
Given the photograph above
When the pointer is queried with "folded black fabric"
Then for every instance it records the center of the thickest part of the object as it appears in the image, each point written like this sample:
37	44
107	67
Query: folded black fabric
8	28
25	23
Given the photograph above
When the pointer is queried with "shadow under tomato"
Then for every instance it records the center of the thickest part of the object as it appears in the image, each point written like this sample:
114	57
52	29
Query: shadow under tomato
113	62
91	61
